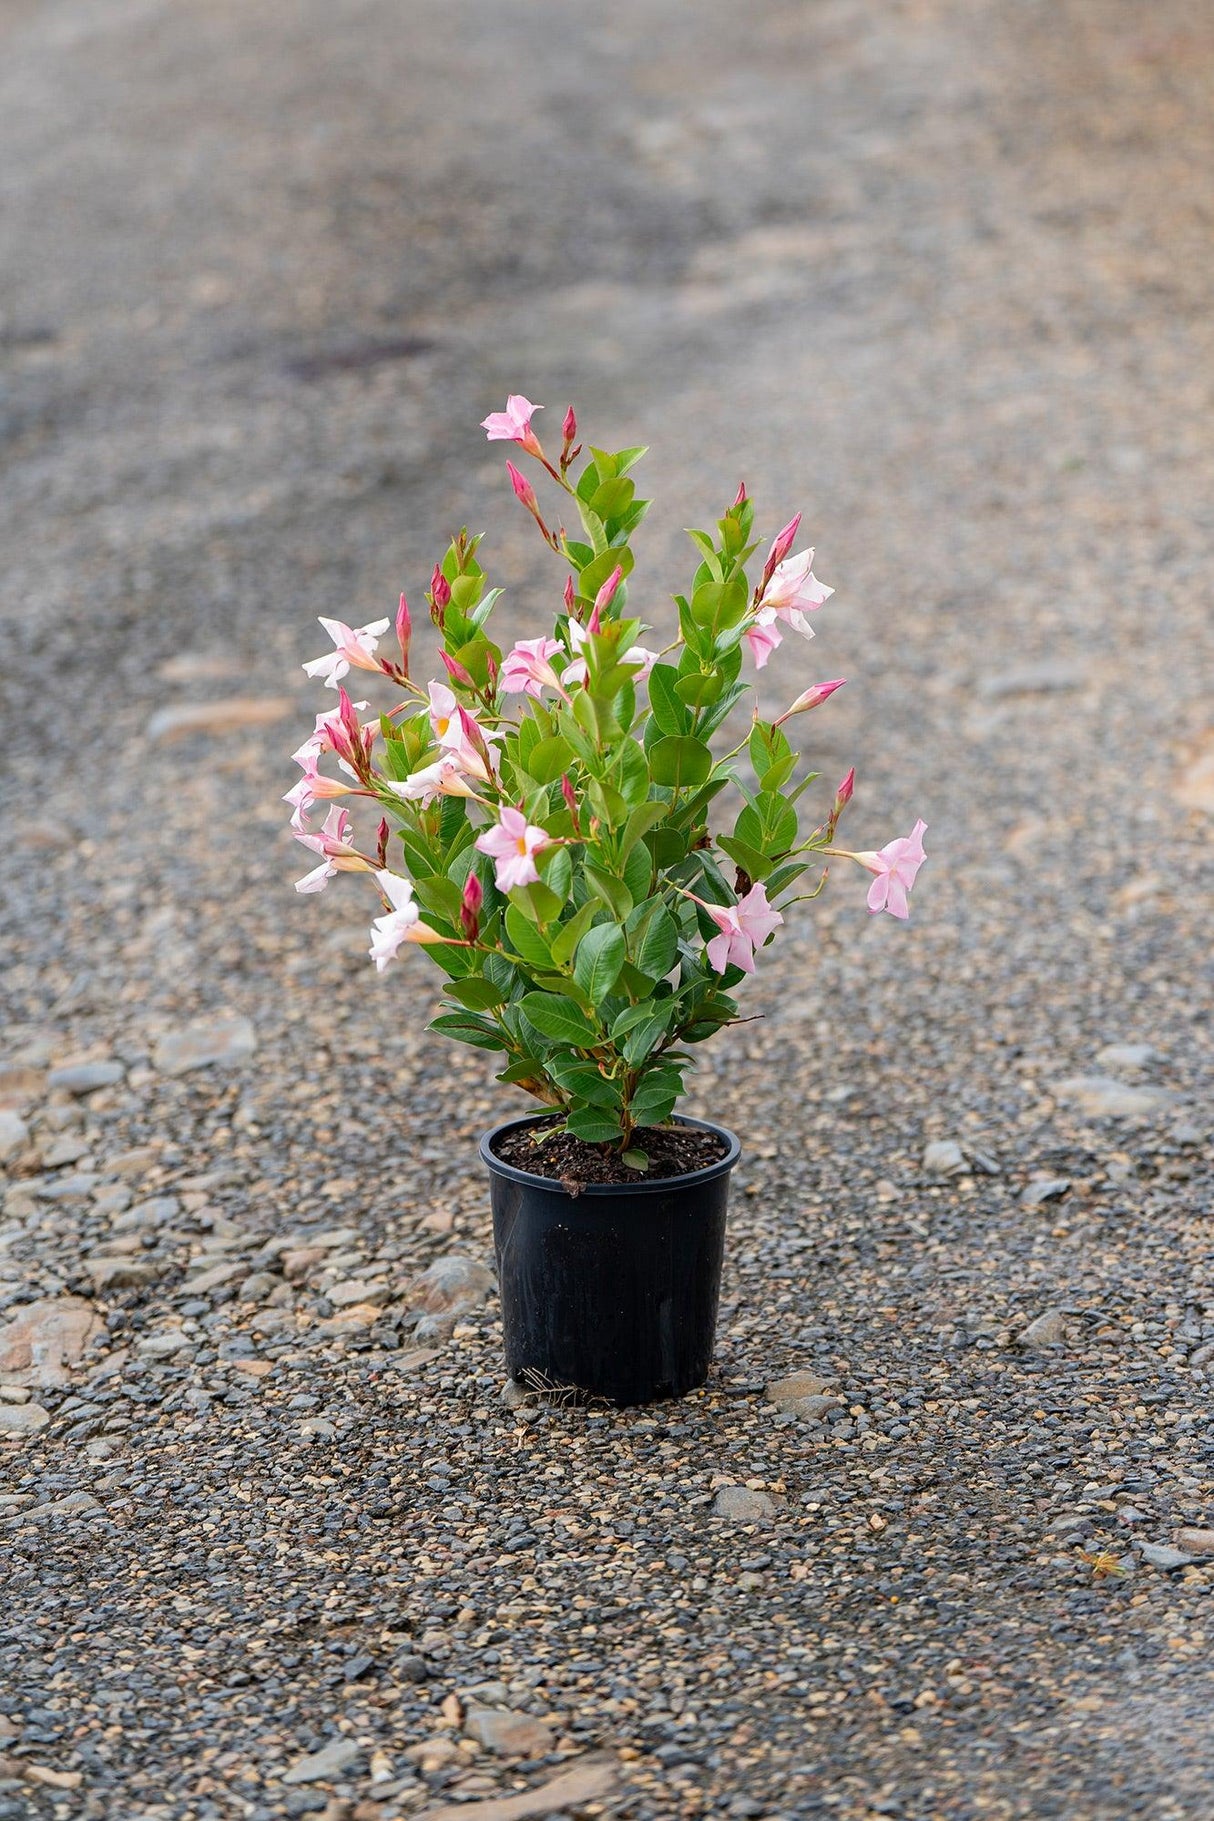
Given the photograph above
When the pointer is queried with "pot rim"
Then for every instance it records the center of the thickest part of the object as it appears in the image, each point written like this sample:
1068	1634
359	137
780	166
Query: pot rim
660	1184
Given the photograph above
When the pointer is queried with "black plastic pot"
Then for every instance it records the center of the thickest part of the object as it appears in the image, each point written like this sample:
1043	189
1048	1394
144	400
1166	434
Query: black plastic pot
614	1290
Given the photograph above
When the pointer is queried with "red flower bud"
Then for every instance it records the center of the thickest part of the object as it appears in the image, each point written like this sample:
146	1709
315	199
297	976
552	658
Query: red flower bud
780	548
569	427
606	593
470	907
569	594
456	671
739	497
381	849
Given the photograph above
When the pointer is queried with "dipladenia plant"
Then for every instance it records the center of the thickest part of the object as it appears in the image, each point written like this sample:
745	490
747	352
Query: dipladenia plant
547	829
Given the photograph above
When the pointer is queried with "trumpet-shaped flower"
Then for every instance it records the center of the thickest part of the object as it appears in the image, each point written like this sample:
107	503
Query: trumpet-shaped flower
353	645
896	866
332	840
446	777
512	844
793	591
401	924
513	425
527	668
744	926
813	697
763	636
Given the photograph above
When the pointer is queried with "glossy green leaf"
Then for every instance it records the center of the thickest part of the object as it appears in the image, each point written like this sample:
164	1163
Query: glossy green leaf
600	956
680	761
560	1020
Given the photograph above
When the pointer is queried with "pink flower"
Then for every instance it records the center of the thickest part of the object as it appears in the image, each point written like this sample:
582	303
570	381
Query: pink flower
527	669
446	777
896	866
744	926
402	923
513	425
512	844
763	636
794	590
810	698
331	840
353	646
444	715
322	739
310	789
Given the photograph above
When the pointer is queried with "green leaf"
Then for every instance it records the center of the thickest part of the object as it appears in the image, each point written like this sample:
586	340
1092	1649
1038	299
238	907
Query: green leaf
636	1160
711	717
595	1127
600	956
584	1082
526	940
571	933
549	758
669	711
639	1043
465	1027
748	858
654	940
613	498
638	873
768	823
680	761
771	755
560	1020
612	891
699	688
477	993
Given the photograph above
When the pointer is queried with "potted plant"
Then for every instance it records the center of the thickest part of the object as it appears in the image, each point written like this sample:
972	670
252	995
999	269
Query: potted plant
550	834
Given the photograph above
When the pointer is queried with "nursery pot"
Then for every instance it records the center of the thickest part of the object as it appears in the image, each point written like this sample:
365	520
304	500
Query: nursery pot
613	1290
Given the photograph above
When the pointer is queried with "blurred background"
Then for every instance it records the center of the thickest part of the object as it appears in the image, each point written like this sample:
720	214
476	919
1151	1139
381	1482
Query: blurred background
936	275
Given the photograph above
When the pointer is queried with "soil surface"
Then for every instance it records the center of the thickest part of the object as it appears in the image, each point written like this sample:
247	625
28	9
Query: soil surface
670	1150
933	1543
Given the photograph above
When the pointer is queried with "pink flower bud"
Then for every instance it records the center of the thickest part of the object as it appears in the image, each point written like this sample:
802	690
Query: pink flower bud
843	797
524	492
739	497
569	427
810	698
780	548
570	597
440	589
456	671
381	845
470	907
606	593
475	739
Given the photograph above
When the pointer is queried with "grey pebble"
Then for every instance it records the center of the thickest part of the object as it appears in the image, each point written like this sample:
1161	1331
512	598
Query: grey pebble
86	1077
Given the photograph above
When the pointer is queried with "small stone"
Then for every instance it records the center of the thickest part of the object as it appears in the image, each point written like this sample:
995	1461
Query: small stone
183	718
353	1290
22	1419
743	1506
510	1735
512	1394
257	1287
584	1781
1159	1555
224	1039
1204	1356
151	1213
162	1345
68	1149
944	1157
86	1077
1126	1056
41	1340
19	1085
299	1261
1101	1097
13	1133
215	1277
788	1392
452	1285
1040	1189
319	1766
1048	1330
111	1273
1198	1541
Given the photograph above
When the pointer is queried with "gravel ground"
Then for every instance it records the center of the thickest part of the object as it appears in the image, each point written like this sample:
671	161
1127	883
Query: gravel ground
937	272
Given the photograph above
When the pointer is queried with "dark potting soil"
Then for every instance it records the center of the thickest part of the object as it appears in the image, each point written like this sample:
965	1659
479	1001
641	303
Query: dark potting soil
672	1151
